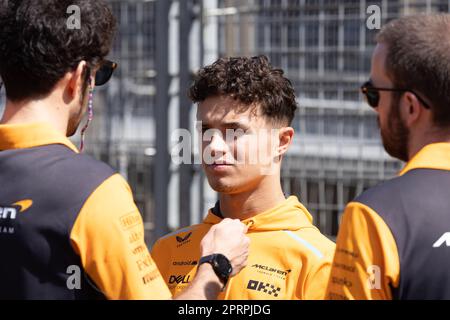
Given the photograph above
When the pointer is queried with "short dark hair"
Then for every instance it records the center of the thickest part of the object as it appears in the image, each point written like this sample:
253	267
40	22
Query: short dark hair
249	80
37	48
418	58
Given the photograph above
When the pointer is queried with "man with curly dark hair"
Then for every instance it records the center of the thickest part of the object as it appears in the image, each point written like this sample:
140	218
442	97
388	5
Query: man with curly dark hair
69	228
245	108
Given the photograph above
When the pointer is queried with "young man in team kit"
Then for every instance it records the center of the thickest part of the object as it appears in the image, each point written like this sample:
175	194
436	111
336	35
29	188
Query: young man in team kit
245	108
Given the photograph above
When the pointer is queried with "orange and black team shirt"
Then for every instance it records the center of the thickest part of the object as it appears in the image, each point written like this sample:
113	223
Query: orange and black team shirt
394	239
69	228
289	258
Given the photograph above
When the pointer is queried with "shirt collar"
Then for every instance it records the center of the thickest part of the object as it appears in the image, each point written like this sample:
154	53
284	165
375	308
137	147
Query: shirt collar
20	136
432	156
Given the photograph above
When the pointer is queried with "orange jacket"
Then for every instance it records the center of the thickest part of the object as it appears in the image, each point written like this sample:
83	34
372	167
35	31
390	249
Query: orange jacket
289	258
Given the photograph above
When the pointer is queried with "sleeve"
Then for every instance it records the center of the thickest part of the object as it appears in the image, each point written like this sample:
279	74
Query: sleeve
366	263
161	256
316	283
108	235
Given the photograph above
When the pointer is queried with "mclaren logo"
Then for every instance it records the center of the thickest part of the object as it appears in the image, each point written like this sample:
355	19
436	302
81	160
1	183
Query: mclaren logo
270	271
10	212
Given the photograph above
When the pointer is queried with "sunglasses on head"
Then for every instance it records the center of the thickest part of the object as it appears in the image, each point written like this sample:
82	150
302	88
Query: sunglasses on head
372	94
105	72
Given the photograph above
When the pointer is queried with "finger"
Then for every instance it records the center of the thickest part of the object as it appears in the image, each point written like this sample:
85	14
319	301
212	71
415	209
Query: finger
238	224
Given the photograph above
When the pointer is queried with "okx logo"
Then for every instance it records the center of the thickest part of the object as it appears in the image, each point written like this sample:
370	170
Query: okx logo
10	212
179	279
268	288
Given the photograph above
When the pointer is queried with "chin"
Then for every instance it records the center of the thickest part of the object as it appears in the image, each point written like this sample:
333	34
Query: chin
222	187
396	149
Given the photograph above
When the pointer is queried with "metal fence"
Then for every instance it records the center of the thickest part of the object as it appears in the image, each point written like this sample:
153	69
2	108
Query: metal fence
324	46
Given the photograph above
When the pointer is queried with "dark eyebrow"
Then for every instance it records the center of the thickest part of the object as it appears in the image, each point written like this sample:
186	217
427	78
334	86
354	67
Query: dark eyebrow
235	124
227	124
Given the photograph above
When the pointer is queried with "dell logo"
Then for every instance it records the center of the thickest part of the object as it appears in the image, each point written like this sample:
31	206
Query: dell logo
179	279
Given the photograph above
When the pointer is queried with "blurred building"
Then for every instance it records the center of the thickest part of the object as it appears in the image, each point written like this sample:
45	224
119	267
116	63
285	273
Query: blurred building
323	45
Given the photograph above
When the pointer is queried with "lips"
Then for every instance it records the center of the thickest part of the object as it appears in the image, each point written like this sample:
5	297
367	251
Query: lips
219	167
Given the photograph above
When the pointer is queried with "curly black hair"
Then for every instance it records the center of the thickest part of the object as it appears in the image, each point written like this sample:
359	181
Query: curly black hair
251	80
37	48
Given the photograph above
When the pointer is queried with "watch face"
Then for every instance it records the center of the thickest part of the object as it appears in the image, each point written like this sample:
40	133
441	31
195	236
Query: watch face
223	265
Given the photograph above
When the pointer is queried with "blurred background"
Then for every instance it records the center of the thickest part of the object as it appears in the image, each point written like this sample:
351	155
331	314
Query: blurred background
324	46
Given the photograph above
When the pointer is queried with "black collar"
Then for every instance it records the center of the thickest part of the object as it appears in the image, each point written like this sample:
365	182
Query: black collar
216	210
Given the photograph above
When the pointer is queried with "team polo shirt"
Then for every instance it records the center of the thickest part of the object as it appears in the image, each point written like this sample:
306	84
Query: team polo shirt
394	239
288	256
69	228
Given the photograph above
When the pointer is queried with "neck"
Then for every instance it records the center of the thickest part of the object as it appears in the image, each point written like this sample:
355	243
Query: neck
45	110
268	194
421	140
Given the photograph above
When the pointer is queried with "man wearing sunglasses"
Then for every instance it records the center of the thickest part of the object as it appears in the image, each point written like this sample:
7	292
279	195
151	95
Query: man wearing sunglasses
394	239
69	228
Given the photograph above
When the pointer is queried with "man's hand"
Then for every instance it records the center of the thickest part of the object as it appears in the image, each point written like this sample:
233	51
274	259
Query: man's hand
228	238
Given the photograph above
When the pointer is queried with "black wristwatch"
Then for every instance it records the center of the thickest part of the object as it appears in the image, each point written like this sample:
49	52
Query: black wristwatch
221	266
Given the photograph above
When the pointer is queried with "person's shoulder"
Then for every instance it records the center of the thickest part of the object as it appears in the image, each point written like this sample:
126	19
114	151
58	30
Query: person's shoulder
388	198
392	190
310	243
82	162
68	165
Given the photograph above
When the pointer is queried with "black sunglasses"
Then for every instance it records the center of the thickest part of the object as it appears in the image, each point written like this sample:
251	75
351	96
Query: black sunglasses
105	72
373	96
102	75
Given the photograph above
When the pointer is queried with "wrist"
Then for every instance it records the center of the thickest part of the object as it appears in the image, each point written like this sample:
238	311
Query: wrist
220	265
205	273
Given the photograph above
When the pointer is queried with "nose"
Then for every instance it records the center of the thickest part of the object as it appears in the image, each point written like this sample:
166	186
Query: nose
218	145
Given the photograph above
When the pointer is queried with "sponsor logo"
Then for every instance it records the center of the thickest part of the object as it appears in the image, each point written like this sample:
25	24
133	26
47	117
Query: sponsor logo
261	286
445	238
135	236
145	262
185	263
342	281
139	249
149	277
183	240
10	212
130	220
8	230
179	279
279	273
